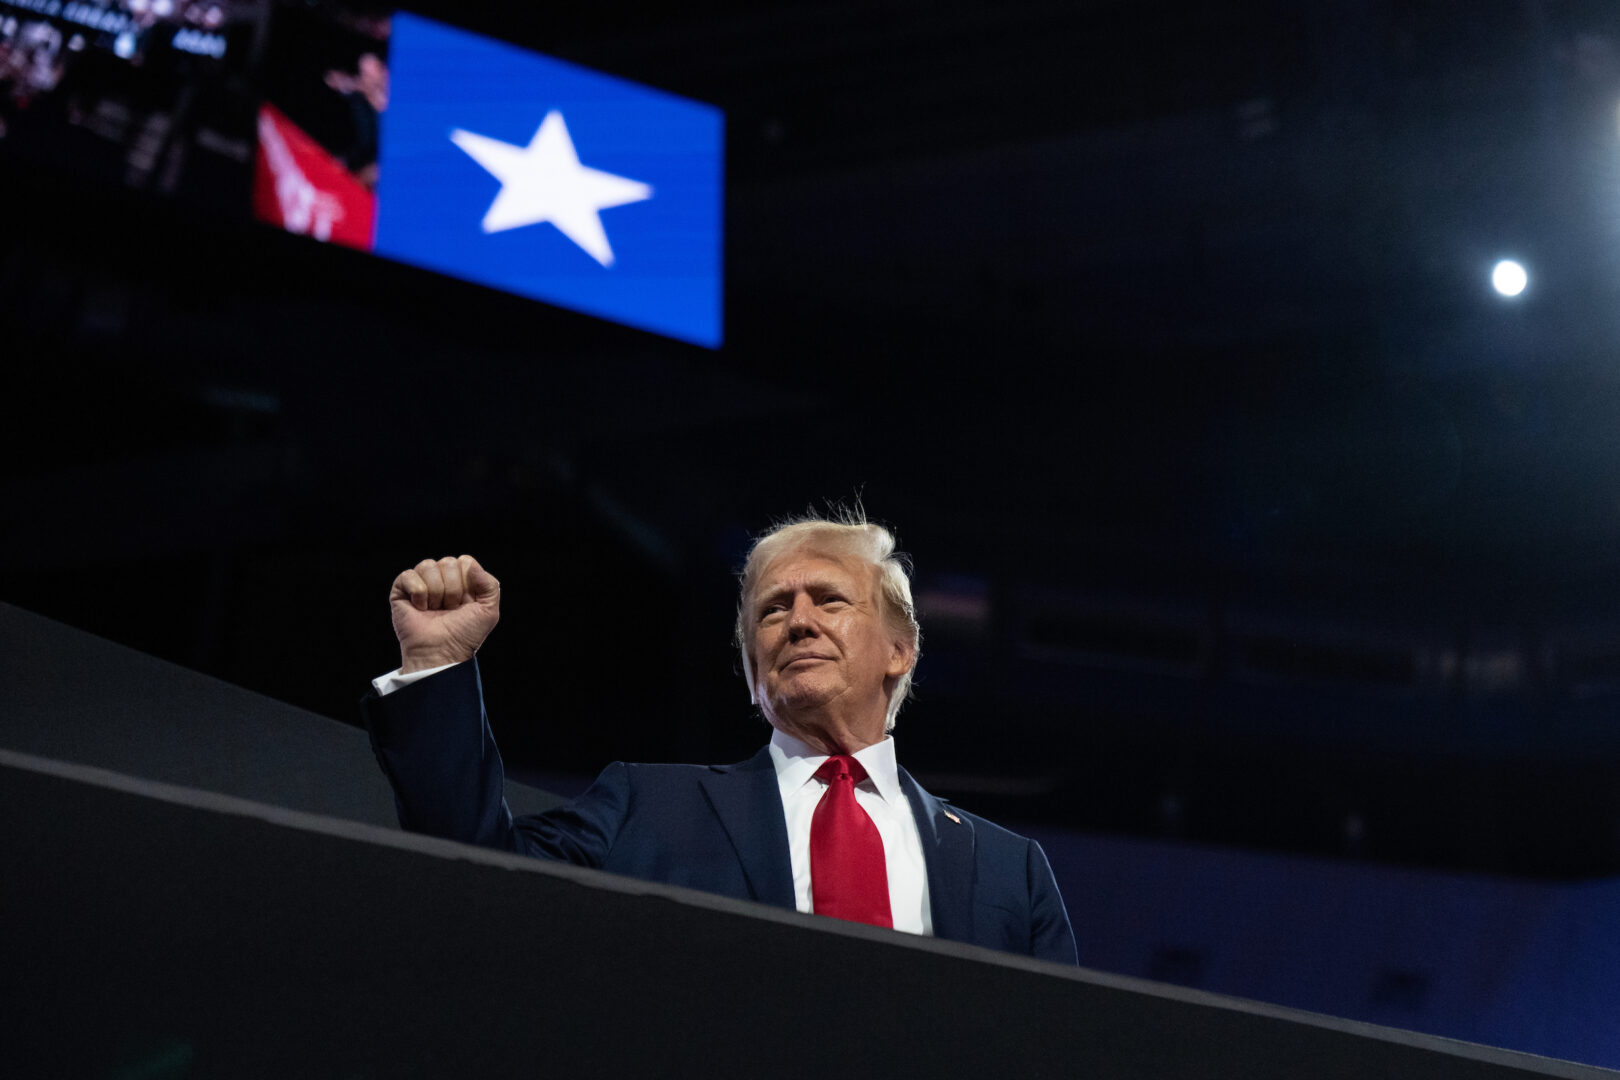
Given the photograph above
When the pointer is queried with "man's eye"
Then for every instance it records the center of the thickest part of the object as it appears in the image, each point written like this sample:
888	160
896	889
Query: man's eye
834	598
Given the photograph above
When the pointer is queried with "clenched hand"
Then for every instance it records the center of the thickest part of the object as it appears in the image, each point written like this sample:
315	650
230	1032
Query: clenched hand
443	610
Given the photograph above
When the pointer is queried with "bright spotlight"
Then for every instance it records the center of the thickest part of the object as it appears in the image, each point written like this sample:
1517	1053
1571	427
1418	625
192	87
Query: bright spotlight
1509	278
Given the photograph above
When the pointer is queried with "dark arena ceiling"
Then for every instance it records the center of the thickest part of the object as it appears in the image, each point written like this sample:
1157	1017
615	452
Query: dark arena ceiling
1243	509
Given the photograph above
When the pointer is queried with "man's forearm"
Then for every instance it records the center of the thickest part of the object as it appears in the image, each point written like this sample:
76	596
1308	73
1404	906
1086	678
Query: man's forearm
432	739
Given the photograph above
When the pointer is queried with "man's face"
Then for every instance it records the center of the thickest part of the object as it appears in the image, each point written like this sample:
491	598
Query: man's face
820	640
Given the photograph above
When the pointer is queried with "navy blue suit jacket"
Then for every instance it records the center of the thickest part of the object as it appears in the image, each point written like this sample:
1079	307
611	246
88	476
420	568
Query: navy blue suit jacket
719	828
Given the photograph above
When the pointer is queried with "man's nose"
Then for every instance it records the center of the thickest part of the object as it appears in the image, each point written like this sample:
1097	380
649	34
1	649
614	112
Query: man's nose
801	619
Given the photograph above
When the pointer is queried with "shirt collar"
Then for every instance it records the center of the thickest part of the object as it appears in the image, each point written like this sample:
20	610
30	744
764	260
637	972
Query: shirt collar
797	762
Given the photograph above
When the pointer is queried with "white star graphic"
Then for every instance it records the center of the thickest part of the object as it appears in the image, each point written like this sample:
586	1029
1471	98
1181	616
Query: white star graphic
544	181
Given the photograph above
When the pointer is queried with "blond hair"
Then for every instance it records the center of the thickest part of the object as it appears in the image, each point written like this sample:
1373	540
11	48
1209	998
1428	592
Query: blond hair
845	531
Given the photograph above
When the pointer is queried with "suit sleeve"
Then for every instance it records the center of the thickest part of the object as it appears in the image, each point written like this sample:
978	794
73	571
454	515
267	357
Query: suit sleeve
1050	936
433	741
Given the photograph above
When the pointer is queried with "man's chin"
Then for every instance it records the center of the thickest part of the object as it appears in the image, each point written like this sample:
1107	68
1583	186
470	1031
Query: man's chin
803	695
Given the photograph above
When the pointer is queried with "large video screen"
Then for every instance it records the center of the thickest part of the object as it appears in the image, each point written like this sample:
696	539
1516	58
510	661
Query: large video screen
386	132
145	94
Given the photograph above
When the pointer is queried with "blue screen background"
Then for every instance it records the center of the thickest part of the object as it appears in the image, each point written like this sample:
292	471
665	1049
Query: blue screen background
431	197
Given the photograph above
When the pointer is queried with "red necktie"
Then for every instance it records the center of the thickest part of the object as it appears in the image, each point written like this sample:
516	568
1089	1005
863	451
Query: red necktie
848	877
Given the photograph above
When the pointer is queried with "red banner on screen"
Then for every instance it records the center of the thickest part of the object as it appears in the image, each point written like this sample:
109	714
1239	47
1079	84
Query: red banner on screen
300	187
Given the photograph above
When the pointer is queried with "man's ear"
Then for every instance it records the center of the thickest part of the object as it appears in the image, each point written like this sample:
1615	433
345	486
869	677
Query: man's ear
750	673
901	658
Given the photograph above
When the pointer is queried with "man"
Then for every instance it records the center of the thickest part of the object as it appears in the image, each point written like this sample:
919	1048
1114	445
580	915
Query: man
822	820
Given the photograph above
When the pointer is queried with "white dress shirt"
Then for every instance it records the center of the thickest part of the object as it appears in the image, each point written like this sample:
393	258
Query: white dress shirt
879	795
387	684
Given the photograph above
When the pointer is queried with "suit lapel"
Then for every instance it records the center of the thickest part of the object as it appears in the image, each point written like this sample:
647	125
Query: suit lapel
746	799
948	844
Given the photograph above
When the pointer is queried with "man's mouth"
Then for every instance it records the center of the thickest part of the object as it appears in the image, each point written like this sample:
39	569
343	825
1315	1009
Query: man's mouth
798	660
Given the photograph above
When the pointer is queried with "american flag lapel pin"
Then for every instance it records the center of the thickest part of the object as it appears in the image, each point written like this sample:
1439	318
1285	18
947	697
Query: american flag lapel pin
952	816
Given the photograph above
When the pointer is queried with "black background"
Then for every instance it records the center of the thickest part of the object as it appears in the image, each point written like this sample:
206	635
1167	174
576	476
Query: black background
1161	332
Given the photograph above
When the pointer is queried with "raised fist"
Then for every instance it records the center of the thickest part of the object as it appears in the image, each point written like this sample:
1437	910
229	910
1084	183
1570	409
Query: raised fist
443	610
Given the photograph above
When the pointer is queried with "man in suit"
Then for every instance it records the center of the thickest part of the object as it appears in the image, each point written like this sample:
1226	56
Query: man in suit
822	819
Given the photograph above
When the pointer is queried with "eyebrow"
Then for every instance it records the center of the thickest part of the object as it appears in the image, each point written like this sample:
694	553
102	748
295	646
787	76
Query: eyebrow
814	586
